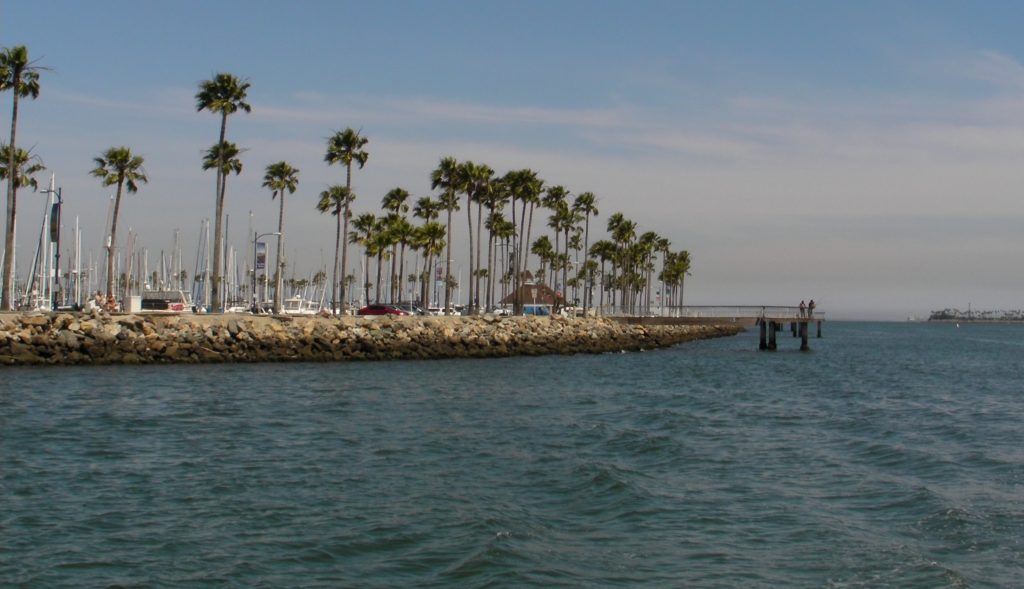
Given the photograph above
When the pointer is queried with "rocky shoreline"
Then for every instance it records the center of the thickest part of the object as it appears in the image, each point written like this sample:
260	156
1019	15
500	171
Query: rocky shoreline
98	338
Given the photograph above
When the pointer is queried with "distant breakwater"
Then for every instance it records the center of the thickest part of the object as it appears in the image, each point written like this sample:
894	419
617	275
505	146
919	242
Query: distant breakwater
98	338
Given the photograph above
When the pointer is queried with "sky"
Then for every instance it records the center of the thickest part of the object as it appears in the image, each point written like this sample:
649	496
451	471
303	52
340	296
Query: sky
863	154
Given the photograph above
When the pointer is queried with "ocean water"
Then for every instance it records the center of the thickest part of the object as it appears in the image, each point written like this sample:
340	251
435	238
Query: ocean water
888	456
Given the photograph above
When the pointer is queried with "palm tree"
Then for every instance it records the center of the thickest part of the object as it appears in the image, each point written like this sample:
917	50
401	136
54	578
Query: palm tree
431	237
224	158
395	203
21	77
475	182
446	177
524	186
336	199
543	249
280	177
224	94
402	232
346	147
363	229
118	165
603	250
26	165
586	205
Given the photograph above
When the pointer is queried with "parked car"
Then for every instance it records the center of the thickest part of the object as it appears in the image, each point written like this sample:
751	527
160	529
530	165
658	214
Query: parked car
382	310
410	308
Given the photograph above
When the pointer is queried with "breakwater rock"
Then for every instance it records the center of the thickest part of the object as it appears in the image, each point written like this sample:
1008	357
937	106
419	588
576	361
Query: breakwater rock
79	338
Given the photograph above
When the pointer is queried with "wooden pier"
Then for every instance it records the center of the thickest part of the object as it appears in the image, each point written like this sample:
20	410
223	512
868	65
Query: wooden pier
770	319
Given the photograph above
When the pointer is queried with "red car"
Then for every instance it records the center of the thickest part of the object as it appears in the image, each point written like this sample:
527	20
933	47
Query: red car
381	310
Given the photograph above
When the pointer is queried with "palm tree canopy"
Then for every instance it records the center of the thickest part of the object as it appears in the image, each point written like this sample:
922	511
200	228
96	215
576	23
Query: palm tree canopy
586	204
334	199
17	71
395	200
223	94
226	152
26	165
346	147
426	209
279	177
555	196
119	164
446	177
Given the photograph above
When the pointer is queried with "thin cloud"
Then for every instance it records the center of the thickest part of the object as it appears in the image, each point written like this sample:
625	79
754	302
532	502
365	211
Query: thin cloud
426	111
997	68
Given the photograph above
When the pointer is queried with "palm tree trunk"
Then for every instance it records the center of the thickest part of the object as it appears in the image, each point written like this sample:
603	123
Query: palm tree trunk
218	231
515	260
490	265
529	229
334	271
469	217
479	231
342	301
448	264
113	241
380	264
401	272
366	279
425	276
7	299
587	295
278	274
344	242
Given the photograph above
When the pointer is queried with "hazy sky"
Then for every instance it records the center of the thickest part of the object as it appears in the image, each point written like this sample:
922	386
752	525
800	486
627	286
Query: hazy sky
864	154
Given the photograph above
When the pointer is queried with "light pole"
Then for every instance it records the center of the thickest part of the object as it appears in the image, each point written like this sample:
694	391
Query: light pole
255	262
55	237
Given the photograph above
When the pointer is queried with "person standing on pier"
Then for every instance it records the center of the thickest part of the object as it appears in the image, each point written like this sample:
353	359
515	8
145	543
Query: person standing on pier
810	309
803	309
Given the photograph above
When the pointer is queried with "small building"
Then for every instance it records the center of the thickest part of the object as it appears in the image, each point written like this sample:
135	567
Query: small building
537	299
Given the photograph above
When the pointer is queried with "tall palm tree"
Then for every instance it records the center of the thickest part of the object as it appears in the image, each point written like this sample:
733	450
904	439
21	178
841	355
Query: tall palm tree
446	177
335	200
224	94
402	233
395	203
26	166
118	165
524	186
20	76
431	237
280	177
346	147
603	250
224	158
586	205
364	228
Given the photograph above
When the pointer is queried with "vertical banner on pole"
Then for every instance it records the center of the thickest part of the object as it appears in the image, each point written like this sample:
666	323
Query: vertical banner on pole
55	222
261	255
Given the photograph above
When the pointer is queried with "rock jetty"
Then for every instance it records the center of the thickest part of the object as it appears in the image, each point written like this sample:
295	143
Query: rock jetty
98	338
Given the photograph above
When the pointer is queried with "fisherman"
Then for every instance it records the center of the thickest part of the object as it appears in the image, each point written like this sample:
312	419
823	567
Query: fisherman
810	309
803	309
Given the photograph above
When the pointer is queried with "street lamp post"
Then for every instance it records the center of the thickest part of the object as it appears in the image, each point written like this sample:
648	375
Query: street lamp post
256	240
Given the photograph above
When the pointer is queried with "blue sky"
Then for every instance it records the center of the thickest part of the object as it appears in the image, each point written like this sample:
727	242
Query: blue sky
864	154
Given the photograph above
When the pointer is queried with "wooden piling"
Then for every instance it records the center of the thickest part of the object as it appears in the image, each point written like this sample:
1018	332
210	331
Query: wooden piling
763	344
772	328
803	337
819	329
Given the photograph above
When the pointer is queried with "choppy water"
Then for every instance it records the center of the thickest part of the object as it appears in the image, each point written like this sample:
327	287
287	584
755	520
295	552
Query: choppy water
890	456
